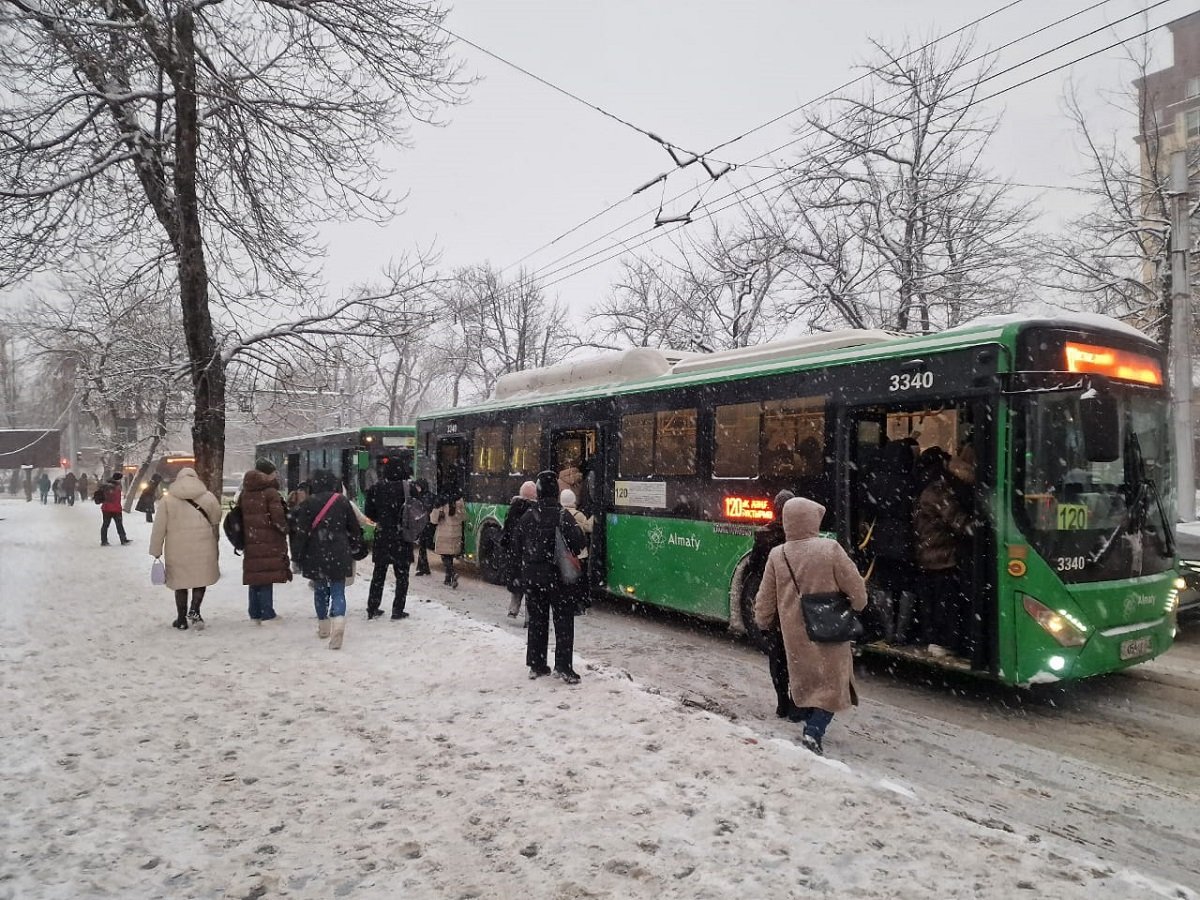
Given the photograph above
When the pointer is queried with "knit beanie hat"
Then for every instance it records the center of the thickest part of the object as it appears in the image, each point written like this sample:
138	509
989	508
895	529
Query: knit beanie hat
117	476
265	466
567	498
528	491
547	485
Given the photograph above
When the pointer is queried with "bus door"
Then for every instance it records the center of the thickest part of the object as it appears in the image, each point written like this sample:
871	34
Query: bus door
293	472
581	450
894	452
452	465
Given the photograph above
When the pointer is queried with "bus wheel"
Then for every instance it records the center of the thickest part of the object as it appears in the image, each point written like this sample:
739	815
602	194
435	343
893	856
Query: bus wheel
489	555
741	595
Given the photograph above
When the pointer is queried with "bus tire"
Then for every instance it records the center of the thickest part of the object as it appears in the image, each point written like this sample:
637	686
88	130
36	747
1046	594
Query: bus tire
490	569
741	606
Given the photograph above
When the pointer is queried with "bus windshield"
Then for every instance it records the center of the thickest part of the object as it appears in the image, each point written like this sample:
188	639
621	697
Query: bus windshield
1095	520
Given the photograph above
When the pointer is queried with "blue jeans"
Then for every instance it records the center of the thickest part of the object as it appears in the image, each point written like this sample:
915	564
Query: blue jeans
816	721
262	601
329	597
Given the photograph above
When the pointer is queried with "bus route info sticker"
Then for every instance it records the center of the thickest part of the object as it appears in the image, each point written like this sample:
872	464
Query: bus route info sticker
646	494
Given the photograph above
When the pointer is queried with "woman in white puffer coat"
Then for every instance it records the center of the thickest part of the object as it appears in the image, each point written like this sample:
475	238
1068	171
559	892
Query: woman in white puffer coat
186	530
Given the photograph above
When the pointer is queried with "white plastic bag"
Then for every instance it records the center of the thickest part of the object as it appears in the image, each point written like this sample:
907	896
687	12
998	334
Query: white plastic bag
158	572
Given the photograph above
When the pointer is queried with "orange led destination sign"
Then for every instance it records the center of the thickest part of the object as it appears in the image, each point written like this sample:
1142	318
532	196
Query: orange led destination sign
749	509
1114	363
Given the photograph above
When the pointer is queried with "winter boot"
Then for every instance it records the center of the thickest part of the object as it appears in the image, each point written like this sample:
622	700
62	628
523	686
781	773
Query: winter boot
323	629
338	631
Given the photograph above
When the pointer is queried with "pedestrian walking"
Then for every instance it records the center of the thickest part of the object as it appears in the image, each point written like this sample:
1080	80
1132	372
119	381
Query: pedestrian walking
265	532
185	533
110	509
149	495
82	484
821	675
56	490
510	563
766	539
70	483
400	515
536	543
447	520
43	484
324	528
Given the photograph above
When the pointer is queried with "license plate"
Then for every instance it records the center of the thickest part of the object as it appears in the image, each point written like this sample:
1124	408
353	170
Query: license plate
1135	648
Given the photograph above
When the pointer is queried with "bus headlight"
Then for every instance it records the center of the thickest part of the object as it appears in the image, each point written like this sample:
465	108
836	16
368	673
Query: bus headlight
1059	626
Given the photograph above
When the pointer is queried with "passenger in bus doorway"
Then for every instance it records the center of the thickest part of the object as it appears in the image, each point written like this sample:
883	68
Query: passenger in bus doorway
265	529
447	520
581	590
820	675
942	525
545	592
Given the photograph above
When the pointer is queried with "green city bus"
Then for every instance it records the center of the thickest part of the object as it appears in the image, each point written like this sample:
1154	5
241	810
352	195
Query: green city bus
1068	572
355	456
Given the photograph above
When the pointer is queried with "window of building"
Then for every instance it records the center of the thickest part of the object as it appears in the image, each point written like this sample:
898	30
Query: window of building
793	437
489	450
1191	123
1193	88
526	448
675	442
737	432
637	444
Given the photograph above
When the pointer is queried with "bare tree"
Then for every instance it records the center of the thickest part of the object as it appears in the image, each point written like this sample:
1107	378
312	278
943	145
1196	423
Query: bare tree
1115	257
715	294
496	326
226	131
892	219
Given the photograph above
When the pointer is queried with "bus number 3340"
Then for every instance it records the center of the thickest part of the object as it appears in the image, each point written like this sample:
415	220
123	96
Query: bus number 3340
910	381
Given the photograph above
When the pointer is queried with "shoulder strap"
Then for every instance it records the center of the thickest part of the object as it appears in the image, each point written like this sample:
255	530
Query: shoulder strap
196	506
324	509
787	563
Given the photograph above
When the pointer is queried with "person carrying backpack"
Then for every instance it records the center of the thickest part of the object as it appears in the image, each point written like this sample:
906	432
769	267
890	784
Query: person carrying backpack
324	530
400	515
109	498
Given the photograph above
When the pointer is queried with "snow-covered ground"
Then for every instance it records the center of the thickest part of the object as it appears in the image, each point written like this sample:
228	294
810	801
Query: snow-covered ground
418	761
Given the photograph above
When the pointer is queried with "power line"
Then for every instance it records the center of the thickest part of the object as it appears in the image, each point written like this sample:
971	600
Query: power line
709	212
814	130
623	200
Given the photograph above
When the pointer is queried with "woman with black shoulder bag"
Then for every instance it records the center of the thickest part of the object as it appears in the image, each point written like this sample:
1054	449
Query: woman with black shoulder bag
811	591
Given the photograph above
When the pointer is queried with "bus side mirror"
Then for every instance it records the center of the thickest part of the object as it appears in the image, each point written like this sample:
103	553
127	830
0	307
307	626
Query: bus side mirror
1101	426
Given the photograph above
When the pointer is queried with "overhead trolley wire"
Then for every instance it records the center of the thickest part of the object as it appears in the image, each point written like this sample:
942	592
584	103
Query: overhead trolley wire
812	130
623	200
709	212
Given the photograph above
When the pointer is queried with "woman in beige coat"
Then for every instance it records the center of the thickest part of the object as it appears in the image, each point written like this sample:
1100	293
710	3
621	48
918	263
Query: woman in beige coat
448	534
821	676
186	527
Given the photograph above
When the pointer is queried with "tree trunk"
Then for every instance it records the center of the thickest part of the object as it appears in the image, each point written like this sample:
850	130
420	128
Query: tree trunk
207	364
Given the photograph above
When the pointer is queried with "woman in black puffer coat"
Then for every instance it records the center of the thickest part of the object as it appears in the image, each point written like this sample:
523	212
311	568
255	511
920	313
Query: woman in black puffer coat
323	527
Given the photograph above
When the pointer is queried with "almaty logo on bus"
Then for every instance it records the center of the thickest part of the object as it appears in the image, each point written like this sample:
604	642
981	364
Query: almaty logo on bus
656	538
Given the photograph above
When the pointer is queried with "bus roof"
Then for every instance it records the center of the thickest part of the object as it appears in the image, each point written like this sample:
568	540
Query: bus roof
762	359
340	433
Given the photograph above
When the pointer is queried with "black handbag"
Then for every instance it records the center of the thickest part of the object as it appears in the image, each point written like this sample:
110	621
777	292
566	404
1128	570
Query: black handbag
828	617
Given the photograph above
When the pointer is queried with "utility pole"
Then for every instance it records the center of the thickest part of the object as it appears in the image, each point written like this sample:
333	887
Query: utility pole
1181	338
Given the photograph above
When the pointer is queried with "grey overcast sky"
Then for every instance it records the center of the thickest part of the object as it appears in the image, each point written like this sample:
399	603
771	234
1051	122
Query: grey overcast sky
519	163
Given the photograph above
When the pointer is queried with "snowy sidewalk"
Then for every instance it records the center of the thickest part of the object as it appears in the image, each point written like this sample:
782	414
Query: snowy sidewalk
418	761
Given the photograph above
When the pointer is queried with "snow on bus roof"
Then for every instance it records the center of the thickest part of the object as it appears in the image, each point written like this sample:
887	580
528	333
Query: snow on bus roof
1081	319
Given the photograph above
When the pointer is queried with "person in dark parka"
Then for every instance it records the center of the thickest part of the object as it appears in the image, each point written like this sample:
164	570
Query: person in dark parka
420	489
83	486
385	506
149	495
510	564
534	545
767	539
265	526
322	528
68	488
43	484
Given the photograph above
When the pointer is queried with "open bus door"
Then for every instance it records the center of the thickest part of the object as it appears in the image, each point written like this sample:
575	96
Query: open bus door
583	448
889	454
452	465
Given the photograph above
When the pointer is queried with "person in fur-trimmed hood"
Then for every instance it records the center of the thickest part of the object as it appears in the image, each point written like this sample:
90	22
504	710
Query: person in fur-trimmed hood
265	526
821	676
